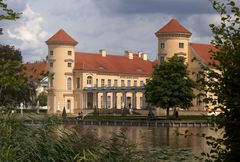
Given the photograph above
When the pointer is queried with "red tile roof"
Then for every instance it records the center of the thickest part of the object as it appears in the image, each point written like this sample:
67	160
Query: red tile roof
35	70
113	64
61	37
203	51
173	26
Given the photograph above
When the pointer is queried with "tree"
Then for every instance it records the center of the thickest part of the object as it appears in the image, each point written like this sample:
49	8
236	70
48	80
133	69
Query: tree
14	85
223	81
6	13
64	113
170	86
42	98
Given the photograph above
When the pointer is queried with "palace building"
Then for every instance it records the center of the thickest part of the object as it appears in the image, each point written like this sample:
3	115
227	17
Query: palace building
80	80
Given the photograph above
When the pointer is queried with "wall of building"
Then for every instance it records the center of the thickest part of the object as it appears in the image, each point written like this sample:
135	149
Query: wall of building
58	59
171	46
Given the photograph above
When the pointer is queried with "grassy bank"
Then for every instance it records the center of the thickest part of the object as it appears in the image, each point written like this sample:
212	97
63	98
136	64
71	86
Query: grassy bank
105	117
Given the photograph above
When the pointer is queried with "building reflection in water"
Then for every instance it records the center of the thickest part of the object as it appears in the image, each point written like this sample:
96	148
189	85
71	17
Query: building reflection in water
148	137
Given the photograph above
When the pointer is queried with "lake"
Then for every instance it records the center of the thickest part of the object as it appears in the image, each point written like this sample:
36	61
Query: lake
149	137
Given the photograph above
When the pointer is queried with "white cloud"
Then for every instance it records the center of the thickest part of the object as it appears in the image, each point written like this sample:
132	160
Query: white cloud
199	26
28	33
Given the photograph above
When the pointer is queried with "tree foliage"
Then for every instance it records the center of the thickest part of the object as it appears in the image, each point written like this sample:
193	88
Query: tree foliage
223	81
42	98
170	86
6	13
14	86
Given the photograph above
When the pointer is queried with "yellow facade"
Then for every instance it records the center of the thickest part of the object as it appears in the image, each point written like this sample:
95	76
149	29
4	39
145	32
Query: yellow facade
79	89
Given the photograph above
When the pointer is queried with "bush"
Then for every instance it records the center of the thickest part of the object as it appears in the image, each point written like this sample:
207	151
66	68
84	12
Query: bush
64	113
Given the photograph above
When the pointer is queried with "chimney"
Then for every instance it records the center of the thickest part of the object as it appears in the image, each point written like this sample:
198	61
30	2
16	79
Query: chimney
144	56
139	54
129	54
103	52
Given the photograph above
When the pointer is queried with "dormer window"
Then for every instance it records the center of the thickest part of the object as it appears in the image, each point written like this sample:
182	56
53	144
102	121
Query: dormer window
181	45
69	53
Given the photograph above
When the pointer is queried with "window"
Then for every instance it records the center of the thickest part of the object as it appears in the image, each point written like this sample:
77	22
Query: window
161	59
69	83
162	45
129	83
89	80
68	104
109	82
69	53
135	83
141	83
51	53
181	45
51	64
122	83
69	64
115	83
78	82
96	82
102	82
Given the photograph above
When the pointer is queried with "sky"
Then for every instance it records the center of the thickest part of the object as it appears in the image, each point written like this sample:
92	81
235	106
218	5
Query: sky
114	25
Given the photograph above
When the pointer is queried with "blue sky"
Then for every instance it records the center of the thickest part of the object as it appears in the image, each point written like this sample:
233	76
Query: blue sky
114	25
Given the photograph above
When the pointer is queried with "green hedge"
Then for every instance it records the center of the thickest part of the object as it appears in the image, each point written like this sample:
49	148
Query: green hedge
43	111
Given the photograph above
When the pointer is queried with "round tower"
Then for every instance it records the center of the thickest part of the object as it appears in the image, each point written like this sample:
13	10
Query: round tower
173	39
61	57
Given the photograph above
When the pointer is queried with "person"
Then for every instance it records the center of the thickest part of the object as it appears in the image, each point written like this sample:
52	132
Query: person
151	115
80	116
176	113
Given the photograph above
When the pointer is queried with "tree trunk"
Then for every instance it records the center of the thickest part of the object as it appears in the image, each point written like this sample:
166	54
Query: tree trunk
167	113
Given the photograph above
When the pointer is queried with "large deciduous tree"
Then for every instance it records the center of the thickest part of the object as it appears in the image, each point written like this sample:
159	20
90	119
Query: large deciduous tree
223	80
14	85
170	86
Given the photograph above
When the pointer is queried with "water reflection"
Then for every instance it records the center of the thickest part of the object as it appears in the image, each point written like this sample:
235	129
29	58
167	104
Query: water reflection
149	137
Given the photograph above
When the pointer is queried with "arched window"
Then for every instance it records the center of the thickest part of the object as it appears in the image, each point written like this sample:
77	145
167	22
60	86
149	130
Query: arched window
69	83
89	80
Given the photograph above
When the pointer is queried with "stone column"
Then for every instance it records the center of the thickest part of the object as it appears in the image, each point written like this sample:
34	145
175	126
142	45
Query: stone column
83	100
